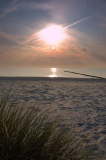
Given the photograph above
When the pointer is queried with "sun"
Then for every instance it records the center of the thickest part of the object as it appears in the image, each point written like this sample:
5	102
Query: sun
52	34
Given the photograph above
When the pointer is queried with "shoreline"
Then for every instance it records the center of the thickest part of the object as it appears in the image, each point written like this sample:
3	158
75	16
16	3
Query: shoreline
51	78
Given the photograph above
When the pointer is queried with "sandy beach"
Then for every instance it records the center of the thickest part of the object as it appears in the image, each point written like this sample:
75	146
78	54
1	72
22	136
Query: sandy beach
81	102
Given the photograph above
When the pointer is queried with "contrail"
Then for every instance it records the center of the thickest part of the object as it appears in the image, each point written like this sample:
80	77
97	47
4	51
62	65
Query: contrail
76	23
86	75
66	27
37	40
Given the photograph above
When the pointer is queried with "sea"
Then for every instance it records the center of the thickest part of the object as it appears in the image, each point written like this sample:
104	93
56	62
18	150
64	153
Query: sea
80	101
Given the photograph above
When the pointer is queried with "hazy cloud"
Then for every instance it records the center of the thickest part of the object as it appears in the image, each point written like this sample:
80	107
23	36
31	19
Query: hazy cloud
8	10
9	37
13	2
24	6
83	47
69	56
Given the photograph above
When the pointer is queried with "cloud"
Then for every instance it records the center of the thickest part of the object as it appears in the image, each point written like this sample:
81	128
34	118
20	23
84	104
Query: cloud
14	6
21	40
10	37
76	51
13	2
65	56
9	9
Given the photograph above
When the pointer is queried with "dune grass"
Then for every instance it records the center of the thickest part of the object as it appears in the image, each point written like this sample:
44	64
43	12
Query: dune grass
27	134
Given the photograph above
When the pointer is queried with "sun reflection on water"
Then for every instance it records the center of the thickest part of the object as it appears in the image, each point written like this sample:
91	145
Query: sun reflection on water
53	70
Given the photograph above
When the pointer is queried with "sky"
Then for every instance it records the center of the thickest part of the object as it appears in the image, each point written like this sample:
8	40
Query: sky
22	46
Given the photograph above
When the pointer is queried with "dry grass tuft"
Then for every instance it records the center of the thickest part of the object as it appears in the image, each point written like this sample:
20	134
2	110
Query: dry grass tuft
27	134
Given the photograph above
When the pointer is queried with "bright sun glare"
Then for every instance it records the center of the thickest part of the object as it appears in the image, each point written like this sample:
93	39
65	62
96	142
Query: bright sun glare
53	70
52	35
